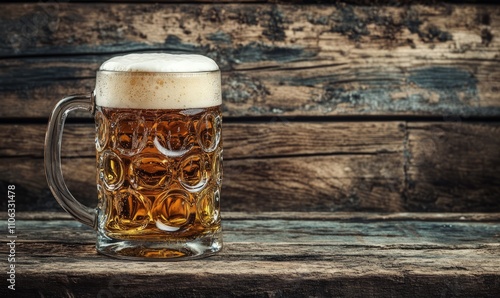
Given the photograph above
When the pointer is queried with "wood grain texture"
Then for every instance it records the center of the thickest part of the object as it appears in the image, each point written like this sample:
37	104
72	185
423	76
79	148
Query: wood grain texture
334	183
304	166
252	184
276	59
276	257
448	168
277	137
296	166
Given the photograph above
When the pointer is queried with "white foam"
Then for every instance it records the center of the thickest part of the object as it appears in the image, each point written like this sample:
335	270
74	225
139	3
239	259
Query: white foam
160	62
158	81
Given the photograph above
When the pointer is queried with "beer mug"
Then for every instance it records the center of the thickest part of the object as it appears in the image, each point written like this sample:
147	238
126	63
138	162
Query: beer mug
158	157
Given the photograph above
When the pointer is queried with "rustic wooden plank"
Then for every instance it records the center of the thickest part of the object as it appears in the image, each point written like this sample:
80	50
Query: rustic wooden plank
280	257
333	182
453	166
277	137
277	59
349	165
280	137
373	166
34	32
316	183
27	140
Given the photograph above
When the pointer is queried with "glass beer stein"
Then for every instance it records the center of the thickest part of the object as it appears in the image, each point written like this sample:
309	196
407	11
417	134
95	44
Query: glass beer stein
158	157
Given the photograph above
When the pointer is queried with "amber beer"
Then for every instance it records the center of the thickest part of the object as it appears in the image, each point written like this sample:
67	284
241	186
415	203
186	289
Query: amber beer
159	156
158	172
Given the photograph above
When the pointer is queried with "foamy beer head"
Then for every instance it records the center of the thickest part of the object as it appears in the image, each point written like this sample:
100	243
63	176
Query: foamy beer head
158	81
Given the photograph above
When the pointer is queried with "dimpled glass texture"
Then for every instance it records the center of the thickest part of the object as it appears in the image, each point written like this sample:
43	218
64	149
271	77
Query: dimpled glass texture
159	172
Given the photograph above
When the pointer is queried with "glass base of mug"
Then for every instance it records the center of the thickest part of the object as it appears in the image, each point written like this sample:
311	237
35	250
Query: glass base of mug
201	247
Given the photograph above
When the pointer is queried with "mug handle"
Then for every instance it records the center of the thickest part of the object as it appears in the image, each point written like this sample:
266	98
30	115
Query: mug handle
52	158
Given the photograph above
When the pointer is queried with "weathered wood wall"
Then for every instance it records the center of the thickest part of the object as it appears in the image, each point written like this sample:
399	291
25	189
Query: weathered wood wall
342	106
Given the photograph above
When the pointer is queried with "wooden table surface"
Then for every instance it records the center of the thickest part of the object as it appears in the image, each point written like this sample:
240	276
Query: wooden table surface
274	254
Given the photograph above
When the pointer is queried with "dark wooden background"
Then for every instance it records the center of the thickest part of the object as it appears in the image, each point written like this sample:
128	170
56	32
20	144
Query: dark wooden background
386	106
